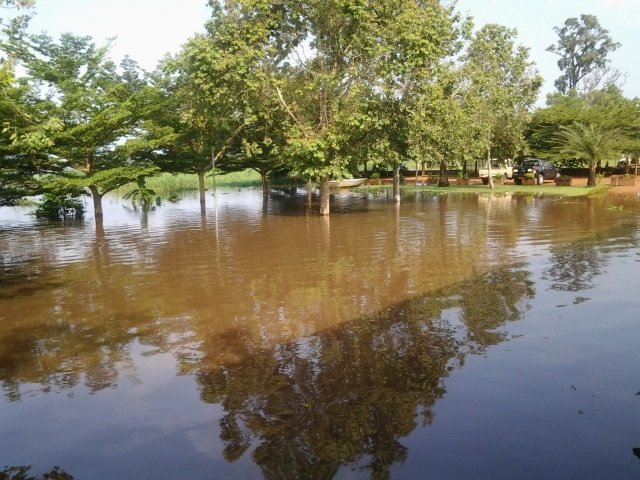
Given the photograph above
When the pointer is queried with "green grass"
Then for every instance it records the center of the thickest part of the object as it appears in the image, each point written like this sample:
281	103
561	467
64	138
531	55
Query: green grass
172	186
547	190
246	178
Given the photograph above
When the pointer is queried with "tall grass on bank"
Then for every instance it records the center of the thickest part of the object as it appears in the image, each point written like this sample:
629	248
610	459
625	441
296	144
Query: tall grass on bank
171	186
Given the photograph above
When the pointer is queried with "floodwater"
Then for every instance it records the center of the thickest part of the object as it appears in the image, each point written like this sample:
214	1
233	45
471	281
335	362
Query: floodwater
451	337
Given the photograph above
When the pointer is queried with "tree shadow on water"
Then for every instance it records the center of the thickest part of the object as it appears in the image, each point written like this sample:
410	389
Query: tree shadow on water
345	397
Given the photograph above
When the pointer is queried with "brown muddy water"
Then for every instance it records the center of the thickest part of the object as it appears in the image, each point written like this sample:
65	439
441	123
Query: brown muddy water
451	337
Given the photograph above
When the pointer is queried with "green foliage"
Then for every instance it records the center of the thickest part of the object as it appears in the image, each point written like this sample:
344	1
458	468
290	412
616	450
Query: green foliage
607	108
23	472
142	194
592	143
583	46
82	105
110	179
59	207
503	87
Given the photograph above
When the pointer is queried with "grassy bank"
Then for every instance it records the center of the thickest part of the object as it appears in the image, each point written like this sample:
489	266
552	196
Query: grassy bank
171	186
546	190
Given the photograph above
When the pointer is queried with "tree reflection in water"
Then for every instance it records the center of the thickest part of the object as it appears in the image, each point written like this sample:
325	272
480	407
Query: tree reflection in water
346	396
23	473
574	266
342	397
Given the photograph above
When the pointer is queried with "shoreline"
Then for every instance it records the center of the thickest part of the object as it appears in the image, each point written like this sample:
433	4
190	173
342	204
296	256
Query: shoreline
547	188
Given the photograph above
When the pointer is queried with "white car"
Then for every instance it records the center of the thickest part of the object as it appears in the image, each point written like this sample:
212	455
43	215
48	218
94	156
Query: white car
502	168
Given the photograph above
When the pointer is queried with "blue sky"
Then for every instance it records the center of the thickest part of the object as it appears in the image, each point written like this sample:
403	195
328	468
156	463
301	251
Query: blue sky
147	29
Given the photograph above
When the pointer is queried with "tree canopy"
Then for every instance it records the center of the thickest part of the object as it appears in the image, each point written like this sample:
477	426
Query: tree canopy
583	46
314	88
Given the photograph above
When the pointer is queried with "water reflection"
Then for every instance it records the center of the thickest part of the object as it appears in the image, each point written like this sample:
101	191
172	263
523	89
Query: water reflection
348	395
23	472
575	266
320	342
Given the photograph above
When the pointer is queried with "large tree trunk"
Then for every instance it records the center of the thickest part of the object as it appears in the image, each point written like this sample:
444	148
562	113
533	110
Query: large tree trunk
97	203
265	183
324	196
203	203
443	181
591	182
396	183
309	192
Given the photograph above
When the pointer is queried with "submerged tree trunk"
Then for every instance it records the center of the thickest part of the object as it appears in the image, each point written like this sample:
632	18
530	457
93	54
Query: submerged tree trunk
396	183
309	192
264	178
213	169
203	203
97	203
443	181
324	195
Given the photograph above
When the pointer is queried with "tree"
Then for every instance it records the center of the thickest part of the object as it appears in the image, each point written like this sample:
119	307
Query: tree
167	135
24	135
583	46
608	108
318	88
97	103
502	87
444	130
407	41
592	143
221	112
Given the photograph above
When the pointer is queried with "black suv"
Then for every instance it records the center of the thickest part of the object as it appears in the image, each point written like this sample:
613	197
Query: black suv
541	170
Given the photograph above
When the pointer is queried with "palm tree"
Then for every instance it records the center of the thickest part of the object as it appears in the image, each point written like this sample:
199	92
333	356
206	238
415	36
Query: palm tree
592	143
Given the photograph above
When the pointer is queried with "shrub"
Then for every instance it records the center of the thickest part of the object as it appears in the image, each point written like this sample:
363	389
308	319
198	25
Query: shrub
59	207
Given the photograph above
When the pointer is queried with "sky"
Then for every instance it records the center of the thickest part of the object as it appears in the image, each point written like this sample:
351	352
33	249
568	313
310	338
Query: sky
147	29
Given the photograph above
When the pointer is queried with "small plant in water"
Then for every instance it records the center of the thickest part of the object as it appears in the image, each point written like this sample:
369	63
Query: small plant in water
142	194
59	207
615	208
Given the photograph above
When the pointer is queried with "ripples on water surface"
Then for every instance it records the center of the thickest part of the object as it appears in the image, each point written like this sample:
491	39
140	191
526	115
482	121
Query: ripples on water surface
450	337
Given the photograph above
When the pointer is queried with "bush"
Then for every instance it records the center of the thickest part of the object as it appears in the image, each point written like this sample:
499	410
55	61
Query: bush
59	207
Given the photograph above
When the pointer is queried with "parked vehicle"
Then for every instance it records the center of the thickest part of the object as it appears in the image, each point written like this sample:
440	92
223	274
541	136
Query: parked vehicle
540	169
499	168
625	166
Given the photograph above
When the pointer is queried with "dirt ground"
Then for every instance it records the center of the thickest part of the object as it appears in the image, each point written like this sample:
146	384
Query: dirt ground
582	181
577	181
